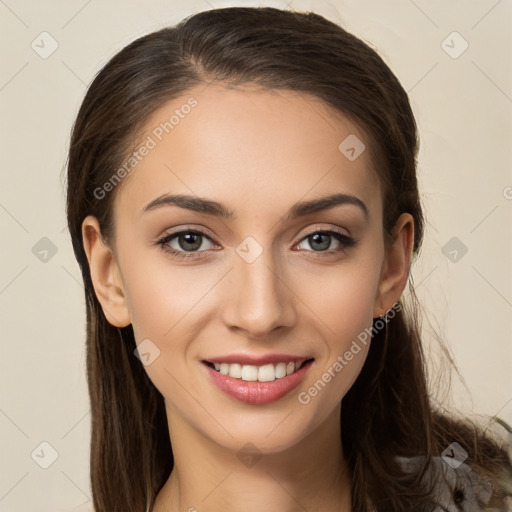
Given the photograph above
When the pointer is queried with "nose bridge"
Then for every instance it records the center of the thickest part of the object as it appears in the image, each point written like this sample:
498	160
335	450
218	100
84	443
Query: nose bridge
260	300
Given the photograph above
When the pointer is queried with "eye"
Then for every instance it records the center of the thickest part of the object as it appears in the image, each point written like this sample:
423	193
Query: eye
321	240
185	243
189	243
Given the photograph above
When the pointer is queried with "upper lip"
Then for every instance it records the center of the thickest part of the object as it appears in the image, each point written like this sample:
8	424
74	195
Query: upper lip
248	359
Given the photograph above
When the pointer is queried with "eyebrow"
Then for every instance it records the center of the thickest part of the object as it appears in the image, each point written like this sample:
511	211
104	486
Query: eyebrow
210	207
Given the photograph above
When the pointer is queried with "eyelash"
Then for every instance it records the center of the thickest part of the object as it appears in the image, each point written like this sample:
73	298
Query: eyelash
346	242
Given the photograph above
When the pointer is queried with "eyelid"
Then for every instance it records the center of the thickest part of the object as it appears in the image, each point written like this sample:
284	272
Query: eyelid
187	228
342	231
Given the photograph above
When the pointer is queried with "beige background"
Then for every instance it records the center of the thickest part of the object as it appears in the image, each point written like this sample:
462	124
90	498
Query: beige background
463	107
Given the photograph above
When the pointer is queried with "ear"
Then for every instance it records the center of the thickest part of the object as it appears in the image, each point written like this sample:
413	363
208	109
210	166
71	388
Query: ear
105	274
395	268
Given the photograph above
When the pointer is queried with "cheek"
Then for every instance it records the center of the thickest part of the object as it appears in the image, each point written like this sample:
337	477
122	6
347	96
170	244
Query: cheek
342	299
162	297
161	302
168	304
342	304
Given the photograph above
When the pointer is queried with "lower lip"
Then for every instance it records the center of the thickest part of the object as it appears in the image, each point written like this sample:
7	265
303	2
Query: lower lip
254	392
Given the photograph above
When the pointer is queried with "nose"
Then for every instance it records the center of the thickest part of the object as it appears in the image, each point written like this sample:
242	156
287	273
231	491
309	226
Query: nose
260	300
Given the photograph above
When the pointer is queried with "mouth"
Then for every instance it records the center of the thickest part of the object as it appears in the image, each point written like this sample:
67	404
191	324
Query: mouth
259	373
270	380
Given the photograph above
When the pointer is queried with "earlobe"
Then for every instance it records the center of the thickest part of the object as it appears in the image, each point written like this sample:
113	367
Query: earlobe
395	269
105	274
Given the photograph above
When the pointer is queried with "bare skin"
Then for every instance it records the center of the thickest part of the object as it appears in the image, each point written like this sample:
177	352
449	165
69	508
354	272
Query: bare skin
258	153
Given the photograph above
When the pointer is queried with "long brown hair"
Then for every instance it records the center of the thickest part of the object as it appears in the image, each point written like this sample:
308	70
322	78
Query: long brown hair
388	411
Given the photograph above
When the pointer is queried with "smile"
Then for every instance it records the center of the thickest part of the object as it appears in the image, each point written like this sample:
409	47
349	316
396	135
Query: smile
251	373
257	384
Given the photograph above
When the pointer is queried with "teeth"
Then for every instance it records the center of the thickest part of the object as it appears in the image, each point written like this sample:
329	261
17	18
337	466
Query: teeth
265	373
249	373
235	370
280	370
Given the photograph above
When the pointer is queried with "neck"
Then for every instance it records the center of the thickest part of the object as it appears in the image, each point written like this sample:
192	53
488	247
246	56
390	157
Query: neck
311	475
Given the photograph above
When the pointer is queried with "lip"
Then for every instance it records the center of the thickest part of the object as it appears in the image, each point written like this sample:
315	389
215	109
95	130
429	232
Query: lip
258	360
254	392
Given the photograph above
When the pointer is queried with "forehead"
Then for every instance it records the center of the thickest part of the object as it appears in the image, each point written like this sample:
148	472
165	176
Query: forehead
252	149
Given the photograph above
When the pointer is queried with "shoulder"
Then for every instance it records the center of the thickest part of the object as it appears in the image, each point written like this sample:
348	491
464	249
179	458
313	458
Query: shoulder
456	486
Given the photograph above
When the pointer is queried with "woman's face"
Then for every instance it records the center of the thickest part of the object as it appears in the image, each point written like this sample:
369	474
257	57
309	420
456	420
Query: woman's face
258	286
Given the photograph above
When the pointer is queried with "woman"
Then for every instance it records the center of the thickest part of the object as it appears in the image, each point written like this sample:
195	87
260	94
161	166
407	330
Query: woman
243	203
